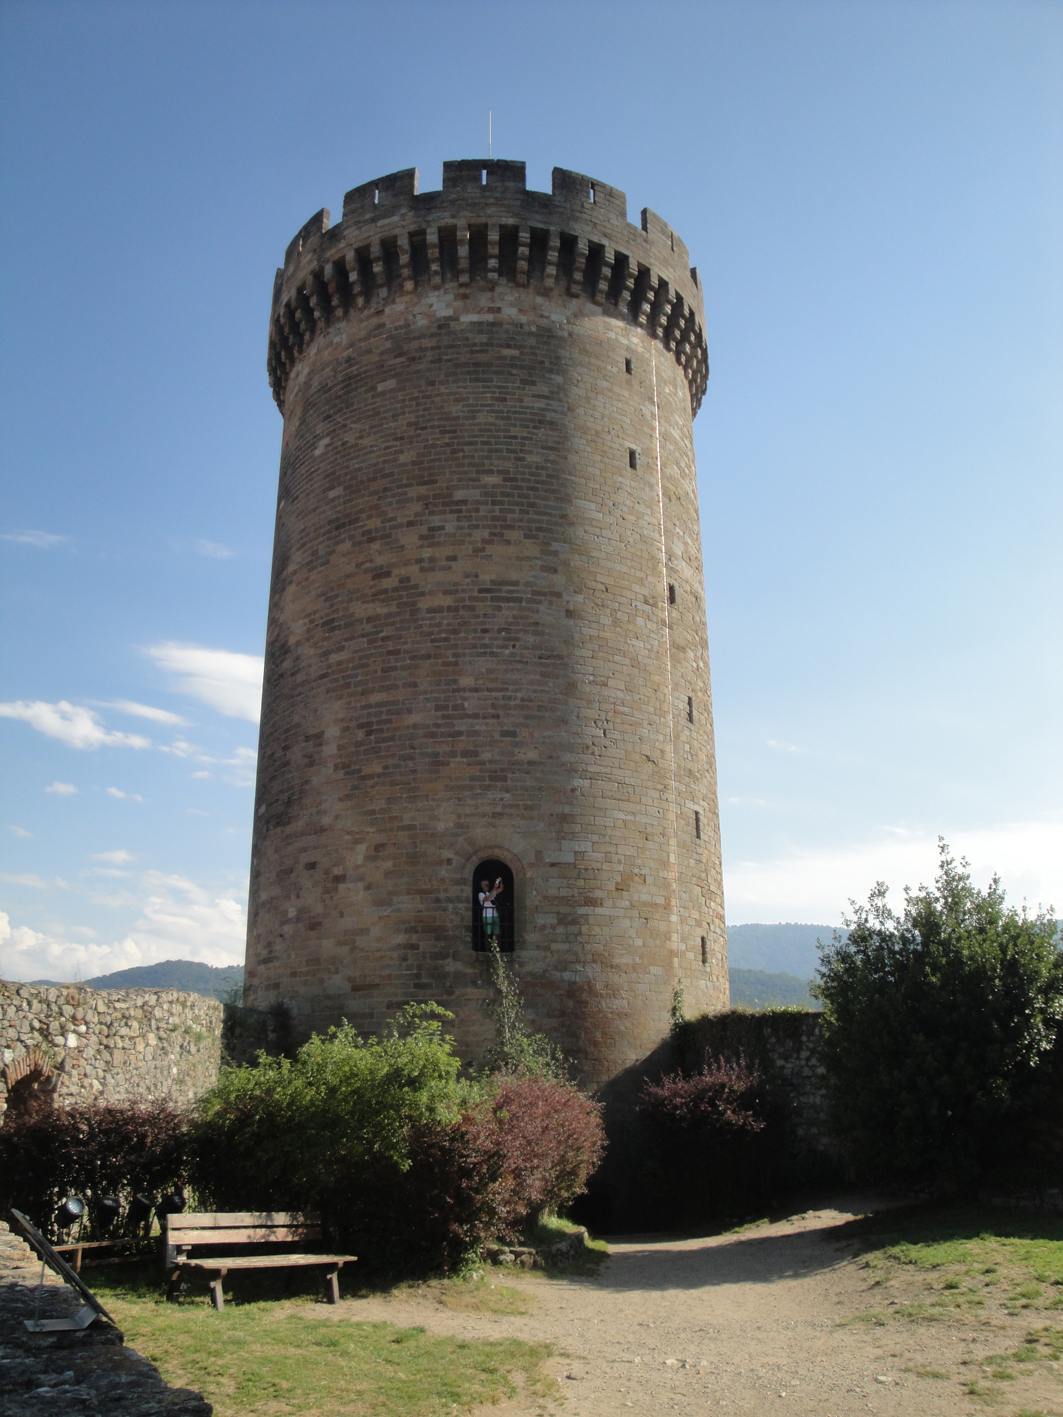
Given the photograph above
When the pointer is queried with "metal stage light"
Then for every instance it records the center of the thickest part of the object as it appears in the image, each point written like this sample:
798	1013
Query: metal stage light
70	1212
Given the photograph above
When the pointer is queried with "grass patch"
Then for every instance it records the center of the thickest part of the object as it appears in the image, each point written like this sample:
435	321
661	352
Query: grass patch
956	1260
262	1356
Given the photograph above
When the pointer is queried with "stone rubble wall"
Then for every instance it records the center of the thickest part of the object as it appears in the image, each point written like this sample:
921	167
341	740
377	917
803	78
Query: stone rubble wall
785	1042
110	1045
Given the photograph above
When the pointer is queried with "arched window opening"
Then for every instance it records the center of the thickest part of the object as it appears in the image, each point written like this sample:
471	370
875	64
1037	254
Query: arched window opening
492	906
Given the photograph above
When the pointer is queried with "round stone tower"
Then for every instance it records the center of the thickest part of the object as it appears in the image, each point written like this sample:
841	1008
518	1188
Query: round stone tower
486	656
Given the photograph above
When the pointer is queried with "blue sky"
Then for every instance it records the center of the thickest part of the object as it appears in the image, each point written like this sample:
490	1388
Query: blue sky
872	193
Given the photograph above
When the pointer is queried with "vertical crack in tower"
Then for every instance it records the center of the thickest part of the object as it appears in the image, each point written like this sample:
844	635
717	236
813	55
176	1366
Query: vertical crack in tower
466	678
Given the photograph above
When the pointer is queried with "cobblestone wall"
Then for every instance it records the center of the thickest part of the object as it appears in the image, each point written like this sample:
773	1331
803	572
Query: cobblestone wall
84	1045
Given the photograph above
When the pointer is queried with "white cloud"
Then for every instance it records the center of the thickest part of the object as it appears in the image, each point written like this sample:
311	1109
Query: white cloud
117	792
214	550
784	747
227	681
44	539
177	919
62	789
21	831
242	764
157	715
73	725
26	879
116	858
817	884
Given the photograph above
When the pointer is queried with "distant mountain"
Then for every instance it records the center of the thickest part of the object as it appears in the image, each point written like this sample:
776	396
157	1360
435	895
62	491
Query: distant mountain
786	949
756	989
184	974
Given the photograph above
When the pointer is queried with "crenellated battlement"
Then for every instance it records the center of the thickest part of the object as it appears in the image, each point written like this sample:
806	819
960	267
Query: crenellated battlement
485	228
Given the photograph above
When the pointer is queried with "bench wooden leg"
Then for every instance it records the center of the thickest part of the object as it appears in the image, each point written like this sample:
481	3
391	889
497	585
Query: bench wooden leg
332	1286
217	1298
174	1286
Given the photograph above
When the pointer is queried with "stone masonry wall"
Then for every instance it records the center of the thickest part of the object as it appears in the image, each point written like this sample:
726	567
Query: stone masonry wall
785	1043
109	1045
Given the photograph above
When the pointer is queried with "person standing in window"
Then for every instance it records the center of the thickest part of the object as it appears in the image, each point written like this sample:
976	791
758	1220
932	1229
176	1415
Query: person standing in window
488	909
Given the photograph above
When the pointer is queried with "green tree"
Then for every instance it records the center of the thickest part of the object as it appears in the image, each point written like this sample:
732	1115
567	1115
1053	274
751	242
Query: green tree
938	1025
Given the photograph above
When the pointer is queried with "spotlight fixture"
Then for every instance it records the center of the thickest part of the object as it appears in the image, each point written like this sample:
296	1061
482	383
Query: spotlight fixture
108	1209
140	1208
70	1212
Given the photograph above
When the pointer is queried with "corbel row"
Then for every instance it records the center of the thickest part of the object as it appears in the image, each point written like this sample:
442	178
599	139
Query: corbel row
385	266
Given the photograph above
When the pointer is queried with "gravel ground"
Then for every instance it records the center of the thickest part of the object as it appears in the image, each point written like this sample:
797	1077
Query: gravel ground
745	1324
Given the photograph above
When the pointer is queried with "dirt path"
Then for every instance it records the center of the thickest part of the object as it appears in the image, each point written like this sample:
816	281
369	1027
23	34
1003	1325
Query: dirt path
744	1324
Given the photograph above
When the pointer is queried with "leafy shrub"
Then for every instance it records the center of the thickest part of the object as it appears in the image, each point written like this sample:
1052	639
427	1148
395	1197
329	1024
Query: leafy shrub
516	1051
283	1134
410	1166
104	1149
938	1026
713	1135
549	1138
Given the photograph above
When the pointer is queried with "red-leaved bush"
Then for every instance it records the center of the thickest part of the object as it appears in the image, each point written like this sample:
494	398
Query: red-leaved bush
726	1097
548	1139
527	1148
712	1137
105	1149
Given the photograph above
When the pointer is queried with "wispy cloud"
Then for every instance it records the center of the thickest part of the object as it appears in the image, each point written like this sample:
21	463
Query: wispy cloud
21	831
817	885
73	725
227	681
784	747
117	792
176	919
115	858
157	715
62	789
44	539
214	550
25	879
241	765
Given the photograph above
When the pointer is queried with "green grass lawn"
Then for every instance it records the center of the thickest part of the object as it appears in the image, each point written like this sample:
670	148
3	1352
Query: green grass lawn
266	1355
964	1257
976	1266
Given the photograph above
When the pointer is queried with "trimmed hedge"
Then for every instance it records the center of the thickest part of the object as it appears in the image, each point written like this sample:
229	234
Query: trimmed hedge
104	1149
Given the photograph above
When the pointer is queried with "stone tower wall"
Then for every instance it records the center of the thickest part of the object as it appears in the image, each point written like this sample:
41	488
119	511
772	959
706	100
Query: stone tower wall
486	630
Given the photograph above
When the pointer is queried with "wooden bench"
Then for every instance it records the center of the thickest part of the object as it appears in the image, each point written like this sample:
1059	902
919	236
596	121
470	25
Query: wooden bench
262	1228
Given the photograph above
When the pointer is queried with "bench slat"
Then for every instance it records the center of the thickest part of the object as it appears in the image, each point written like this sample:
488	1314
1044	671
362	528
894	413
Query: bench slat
279	1236
211	1266
225	1220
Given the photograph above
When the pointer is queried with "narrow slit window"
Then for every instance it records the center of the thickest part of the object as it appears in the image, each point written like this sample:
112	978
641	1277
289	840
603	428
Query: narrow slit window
629	367
671	594
376	196
592	191
483	182
704	952
690	708
697	825
632	458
